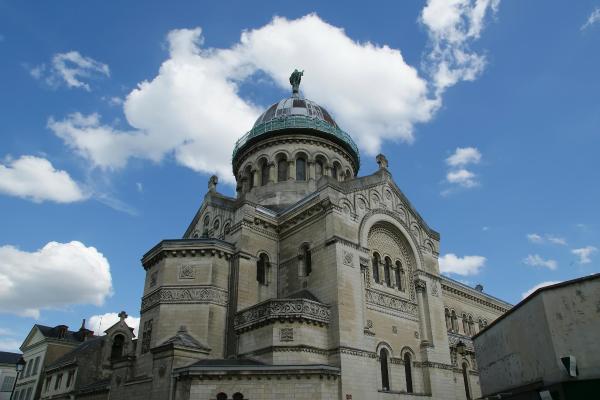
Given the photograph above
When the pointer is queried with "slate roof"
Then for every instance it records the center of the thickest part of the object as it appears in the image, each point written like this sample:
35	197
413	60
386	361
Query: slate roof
71	356
303	294
9	358
54	333
226	362
96	386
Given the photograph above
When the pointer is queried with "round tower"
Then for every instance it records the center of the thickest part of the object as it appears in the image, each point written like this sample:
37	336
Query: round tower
292	146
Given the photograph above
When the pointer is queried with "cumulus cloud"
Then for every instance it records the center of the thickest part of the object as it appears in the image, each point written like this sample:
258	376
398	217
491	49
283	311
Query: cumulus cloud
452	26
55	276
536	260
193	109
585	254
556	240
536	287
462	177
36	179
467	265
70	69
458	174
593	18
464	156
100	323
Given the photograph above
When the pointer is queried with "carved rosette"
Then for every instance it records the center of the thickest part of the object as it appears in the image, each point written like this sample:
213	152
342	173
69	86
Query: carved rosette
185	295
282	310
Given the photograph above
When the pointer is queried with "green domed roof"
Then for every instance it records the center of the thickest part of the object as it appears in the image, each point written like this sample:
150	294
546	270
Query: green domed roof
297	113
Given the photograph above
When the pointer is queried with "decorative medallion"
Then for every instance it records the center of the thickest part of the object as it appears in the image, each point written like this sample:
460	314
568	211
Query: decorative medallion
286	334
348	258
187	271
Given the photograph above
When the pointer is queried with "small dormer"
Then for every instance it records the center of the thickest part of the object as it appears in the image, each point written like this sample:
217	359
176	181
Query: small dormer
118	341
61	331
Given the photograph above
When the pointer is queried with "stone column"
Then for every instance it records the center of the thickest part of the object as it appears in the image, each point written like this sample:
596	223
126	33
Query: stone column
256	175
310	172
244	183
291	170
421	288
272	172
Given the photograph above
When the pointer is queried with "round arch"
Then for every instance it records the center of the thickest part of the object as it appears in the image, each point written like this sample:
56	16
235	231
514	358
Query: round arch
378	216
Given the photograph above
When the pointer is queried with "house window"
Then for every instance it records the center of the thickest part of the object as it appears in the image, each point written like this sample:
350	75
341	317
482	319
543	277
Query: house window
408	373
385	377
29	365
465	374
238	396
376	261
262	266
282	170
116	351
7	384
58	381
36	364
48	381
28	395
70	377
222	396
387	271
300	169
146	336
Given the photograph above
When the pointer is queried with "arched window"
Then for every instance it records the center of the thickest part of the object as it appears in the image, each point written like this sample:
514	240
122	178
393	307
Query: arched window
465	323
348	175
238	396
385	376
454	320
250	177
306	260
282	170
448	321
399	272
116	351
376	262
222	396
471	325
300	169
262	266
216	225
387	271
466	380
335	170
264	172
408	373
319	168
480	324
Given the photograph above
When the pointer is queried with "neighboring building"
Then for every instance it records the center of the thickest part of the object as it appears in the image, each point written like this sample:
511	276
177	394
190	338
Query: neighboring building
8	373
546	347
85	371
43	346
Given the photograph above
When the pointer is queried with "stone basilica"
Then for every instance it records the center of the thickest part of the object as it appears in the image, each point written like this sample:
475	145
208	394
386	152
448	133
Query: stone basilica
312	283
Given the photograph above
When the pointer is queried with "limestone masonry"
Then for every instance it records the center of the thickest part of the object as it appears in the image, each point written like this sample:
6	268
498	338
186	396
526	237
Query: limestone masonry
312	283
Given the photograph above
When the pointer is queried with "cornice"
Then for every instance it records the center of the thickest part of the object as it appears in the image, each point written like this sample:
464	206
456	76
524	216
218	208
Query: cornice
187	248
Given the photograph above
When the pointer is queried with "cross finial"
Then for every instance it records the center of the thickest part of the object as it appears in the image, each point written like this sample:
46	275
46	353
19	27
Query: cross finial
382	161
122	316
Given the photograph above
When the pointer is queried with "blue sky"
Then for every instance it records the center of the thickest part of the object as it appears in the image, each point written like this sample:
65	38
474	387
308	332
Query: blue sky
114	116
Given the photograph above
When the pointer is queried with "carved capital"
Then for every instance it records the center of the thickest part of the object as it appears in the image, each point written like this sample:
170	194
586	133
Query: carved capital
420	286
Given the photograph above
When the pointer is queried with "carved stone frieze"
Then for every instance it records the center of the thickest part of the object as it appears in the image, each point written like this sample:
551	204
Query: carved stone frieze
185	295
394	303
187	271
282	310
348	259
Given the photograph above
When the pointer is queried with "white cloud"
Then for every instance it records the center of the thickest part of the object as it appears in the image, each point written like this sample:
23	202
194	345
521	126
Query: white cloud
464	156
585	254
536	260
70	68
467	265
35	178
592	19
535	238
557	240
10	344
100	323
139	186
55	276
452	26
370	89
536	287
462	177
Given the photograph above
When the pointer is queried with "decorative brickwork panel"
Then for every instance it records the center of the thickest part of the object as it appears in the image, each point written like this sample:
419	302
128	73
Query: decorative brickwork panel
286	334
